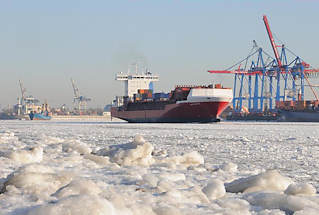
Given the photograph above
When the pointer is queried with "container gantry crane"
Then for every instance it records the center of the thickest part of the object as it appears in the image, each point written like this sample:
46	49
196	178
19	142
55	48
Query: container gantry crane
259	78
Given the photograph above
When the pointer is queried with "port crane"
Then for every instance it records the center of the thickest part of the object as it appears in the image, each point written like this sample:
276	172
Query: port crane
23	91
25	103
21	100
269	80
79	100
303	64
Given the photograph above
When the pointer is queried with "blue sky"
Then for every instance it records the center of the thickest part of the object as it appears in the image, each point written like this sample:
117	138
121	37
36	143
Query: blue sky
45	43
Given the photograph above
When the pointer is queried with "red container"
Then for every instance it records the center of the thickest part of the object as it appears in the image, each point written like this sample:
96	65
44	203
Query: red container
218	86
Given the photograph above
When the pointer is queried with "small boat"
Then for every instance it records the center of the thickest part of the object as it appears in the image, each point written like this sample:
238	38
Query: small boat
39	116
7	116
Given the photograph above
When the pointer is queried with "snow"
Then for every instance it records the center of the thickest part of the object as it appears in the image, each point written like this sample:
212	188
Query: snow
65	167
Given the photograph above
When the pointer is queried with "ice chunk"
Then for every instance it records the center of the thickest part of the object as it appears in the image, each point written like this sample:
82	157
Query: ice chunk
74	205
139	140
196	195
160	153
165	185
79	186
39	168
186	160
139	152
174	194
229	167
103	151
77	146
301	189
32	155
100	160
6	136
270	180
193	195
214	189
235	206
307	211
37	180
283	202
173	176
128	204
150	180
192	159
271	212
52	140
140	209
167	210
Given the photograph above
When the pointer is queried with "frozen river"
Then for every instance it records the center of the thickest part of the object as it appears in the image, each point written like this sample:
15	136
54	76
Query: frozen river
228	168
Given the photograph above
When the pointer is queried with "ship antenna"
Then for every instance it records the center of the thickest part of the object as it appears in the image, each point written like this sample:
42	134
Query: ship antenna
136	68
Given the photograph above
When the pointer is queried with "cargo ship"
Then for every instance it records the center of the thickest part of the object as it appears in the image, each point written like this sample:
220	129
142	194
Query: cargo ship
299	116
299	111
262	116
184	104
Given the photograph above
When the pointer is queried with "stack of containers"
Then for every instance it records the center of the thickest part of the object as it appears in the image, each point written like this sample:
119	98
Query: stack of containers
137	97
160	96
145	94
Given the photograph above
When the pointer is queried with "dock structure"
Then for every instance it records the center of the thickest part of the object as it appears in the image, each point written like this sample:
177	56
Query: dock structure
262	83
82	117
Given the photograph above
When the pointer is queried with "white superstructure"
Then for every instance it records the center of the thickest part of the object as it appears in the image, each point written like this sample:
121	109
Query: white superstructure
133	82
209	95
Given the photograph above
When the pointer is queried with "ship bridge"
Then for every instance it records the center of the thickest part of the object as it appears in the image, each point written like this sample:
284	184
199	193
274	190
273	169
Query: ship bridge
133	82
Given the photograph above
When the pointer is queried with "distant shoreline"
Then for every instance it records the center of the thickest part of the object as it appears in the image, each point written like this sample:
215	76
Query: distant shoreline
82	117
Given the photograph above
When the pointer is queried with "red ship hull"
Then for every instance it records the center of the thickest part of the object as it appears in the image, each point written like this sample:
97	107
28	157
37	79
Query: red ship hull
202	112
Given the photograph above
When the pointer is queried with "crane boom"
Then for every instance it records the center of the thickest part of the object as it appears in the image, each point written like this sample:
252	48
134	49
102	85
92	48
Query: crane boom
75	89
22	90
272	41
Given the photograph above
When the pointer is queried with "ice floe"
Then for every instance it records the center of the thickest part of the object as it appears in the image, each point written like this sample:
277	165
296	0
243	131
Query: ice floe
108	169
